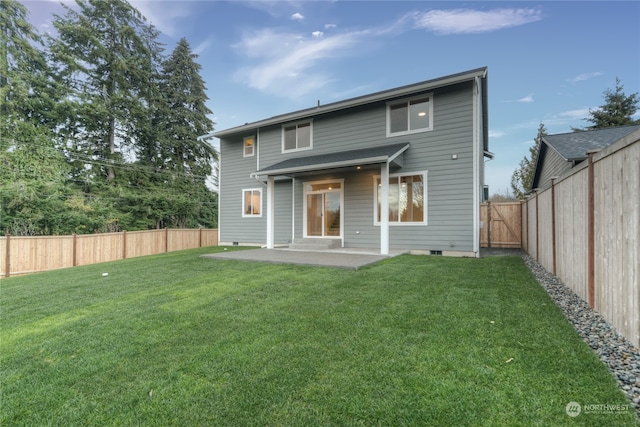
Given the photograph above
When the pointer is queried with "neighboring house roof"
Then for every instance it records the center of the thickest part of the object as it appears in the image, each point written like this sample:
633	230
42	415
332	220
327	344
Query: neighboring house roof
573	147
366	99
366	156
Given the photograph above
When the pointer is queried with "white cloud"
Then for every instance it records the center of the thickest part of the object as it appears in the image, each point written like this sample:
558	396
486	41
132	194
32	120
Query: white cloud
575	114
165	16
202	46
496	134
290	64
468	21
286	64
584	76
527	99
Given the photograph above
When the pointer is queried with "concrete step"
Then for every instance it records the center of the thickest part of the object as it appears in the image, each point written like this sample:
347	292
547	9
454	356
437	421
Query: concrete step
312	244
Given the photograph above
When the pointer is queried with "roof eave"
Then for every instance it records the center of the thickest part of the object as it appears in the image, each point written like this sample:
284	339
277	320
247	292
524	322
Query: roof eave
321	166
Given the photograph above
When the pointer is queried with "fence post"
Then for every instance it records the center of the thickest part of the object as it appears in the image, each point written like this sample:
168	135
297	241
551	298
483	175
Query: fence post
166	239
489	224
124	244
537	227
553	221
200	238
75	246
524	224
7	255
590	232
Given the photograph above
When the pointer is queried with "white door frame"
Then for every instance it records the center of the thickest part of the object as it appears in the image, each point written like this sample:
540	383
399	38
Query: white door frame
304	206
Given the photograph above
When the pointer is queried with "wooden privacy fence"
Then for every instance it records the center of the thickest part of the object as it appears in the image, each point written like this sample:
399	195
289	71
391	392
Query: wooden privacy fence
22	255
501	225
585	229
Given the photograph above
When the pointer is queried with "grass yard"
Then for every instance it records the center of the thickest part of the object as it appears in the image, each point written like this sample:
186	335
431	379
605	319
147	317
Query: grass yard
176	340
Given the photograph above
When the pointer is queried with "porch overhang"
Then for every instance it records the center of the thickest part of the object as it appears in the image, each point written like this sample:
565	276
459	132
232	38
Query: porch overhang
391	154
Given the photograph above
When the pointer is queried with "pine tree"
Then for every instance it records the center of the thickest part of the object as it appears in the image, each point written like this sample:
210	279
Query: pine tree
105	55
32	171
185	116
182	162
522	178
26	90
618	109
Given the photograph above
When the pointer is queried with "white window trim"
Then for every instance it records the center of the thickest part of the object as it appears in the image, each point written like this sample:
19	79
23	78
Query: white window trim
246	215
425	196
407	100
293	150
253	148
304	206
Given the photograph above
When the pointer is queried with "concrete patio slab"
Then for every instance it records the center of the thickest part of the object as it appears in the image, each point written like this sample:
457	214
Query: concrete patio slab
348	259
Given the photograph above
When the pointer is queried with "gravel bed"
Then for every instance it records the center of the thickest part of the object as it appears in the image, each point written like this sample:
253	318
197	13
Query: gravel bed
616	352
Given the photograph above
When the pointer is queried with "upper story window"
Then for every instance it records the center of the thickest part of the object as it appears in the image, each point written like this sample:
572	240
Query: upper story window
298	136
410	115
249	146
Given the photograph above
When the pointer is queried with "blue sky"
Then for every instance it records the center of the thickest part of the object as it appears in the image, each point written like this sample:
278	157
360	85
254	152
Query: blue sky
548	62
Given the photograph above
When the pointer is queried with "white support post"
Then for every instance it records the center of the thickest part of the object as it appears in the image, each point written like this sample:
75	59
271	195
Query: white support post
270	212
384	209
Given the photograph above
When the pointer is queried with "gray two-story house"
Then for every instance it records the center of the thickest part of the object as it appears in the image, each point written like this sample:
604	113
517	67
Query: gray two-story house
397	169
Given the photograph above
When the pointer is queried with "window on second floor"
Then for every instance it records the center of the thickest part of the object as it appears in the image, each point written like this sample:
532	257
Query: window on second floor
410	116
298	136
249	146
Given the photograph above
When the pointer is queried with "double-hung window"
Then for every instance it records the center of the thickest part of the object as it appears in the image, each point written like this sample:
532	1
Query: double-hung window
297	136
407	199
249	146
410	116
252	202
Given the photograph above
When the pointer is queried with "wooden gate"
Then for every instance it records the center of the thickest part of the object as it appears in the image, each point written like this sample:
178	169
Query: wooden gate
501	225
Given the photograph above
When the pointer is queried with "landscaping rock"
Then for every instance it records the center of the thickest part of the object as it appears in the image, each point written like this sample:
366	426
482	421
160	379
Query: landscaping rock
616	352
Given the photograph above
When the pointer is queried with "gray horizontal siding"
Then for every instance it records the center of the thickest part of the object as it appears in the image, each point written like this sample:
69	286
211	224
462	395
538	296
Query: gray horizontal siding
282	212
553	165
449	182
234	172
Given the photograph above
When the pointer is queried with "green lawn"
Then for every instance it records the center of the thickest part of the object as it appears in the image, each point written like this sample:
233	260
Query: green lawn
179	340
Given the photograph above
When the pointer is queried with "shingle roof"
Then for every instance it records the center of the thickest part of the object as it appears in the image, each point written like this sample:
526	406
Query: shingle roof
575	145
335	160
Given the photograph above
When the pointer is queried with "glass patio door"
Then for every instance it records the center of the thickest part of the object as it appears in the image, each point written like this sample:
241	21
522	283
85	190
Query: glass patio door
323	213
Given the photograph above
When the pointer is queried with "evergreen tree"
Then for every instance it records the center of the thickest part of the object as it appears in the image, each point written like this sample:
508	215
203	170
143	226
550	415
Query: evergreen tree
185	116
522	178
105	53
181	161
618	109
32	171
27	93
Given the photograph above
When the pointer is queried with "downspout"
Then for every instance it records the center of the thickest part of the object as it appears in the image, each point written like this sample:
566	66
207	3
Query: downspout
477	114
258	149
